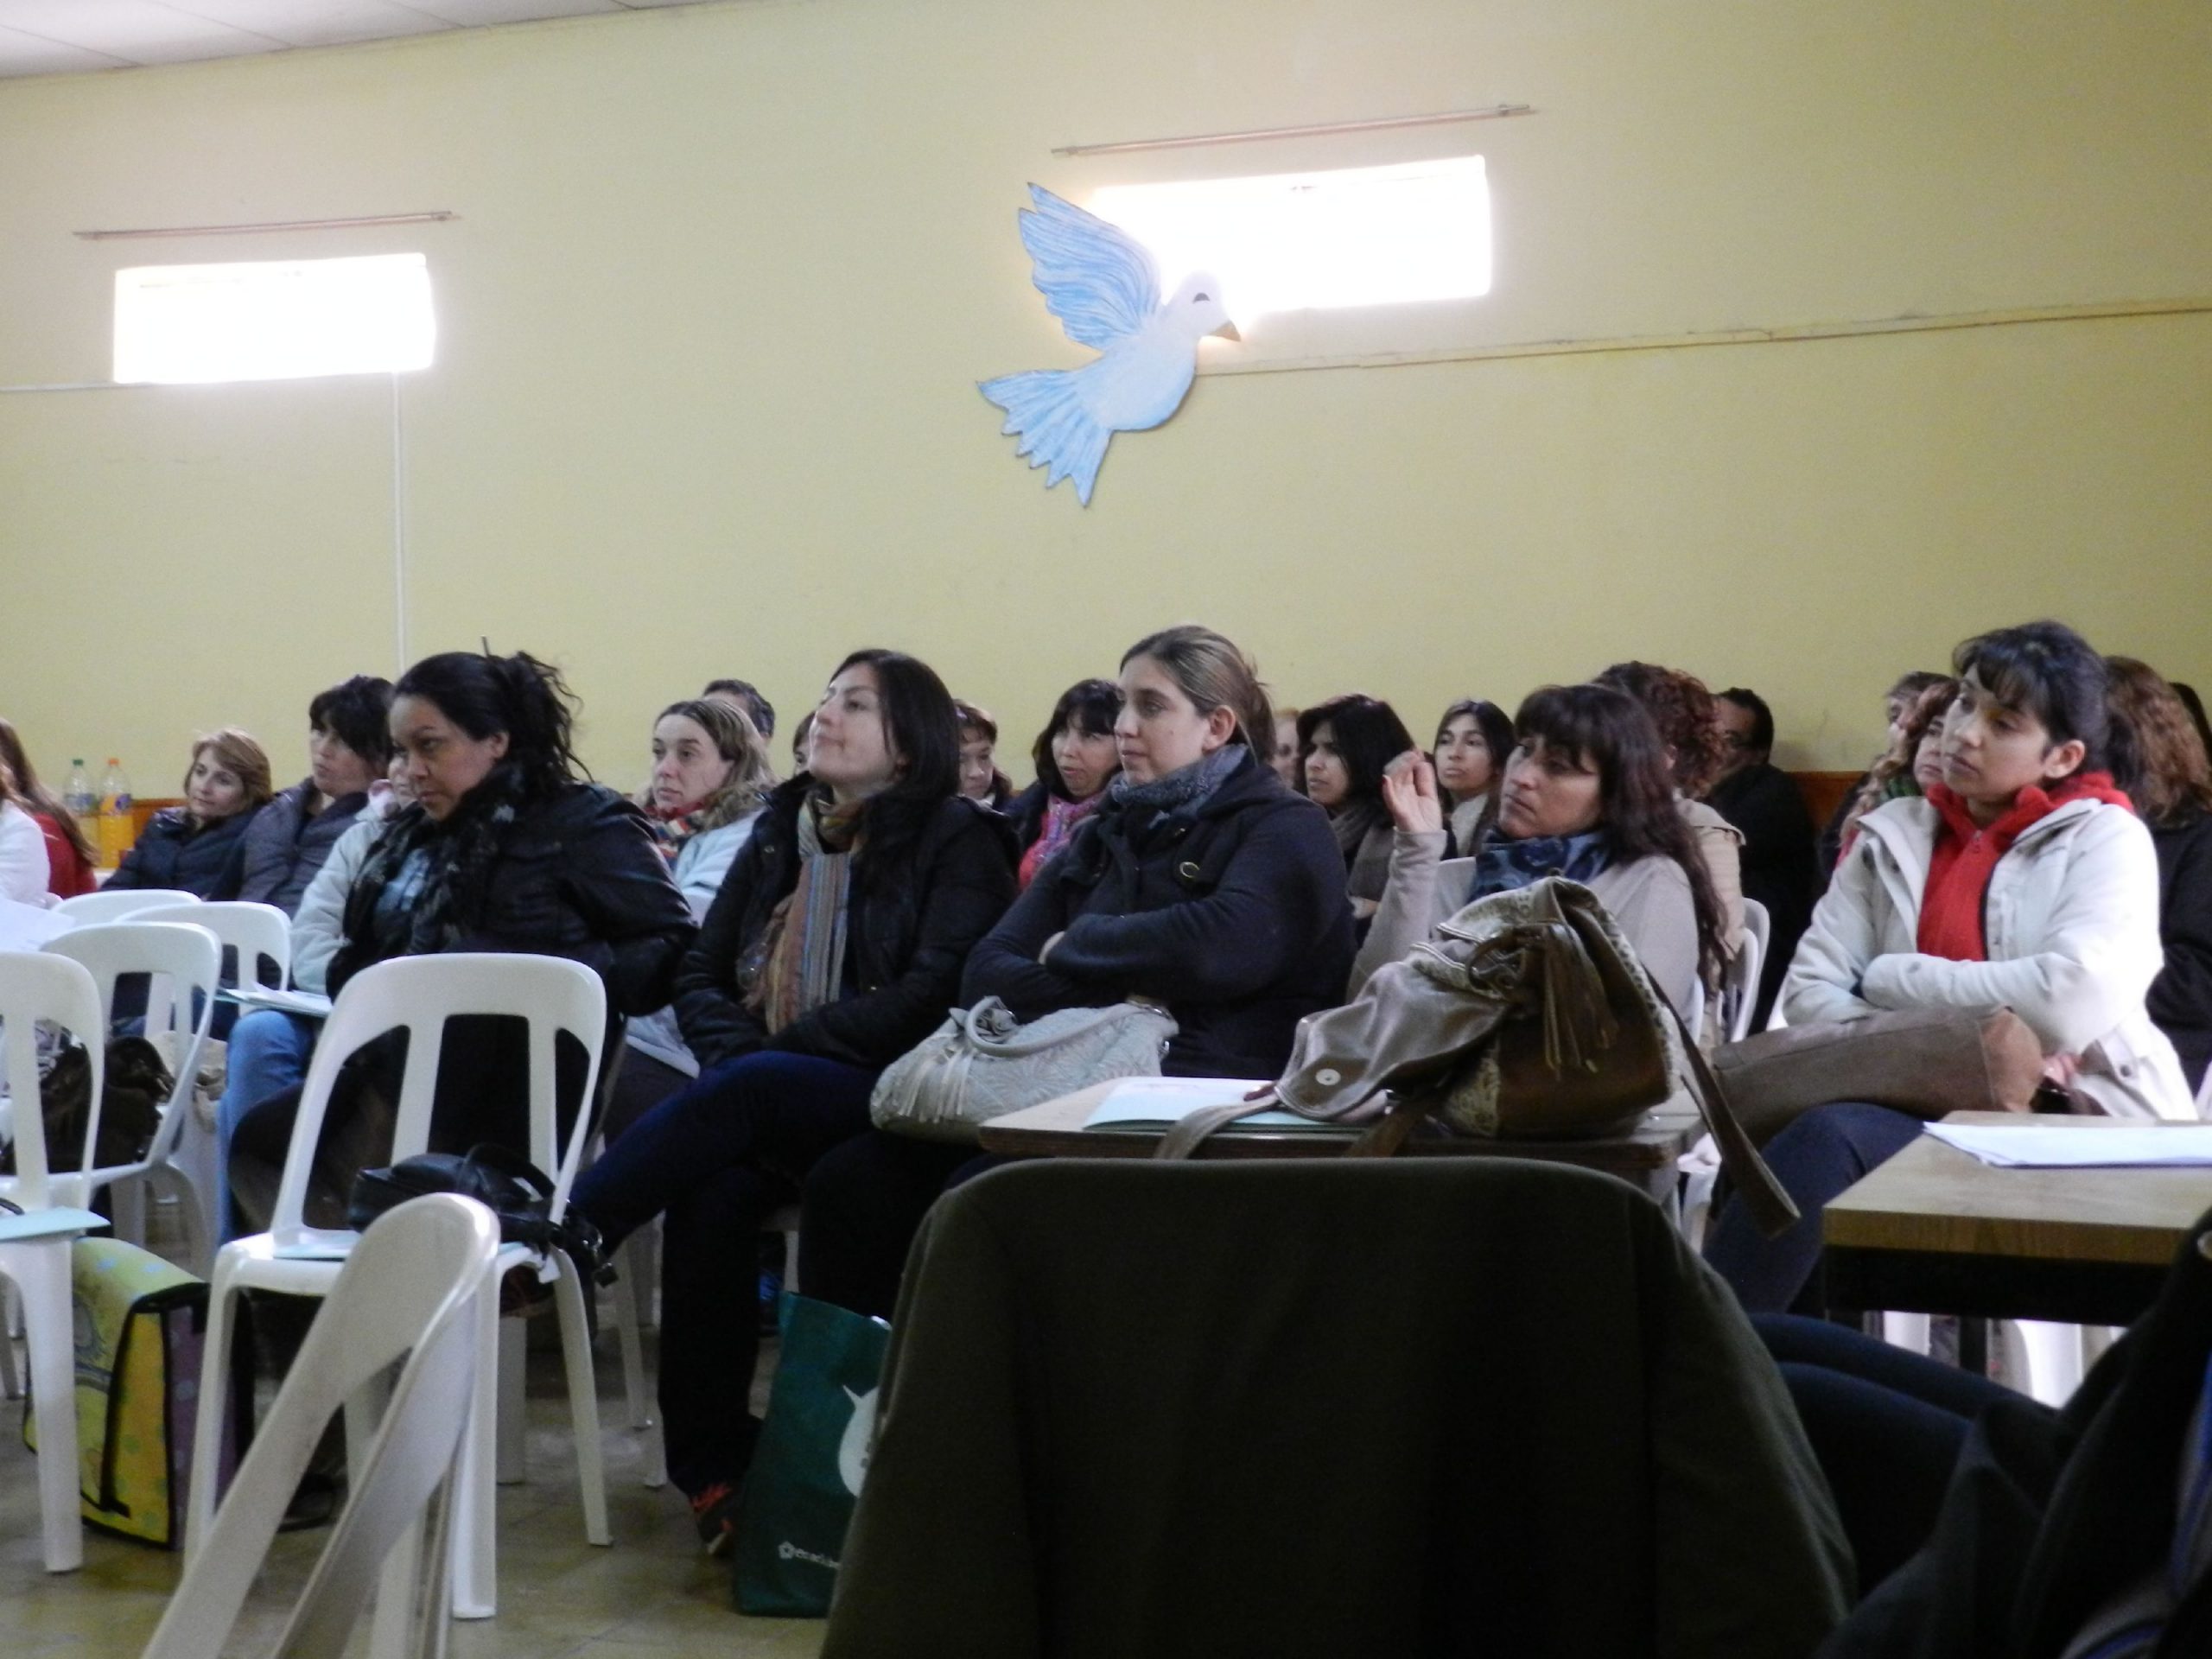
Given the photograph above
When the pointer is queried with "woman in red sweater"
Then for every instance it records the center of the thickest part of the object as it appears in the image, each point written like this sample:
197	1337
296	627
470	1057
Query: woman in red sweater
69	857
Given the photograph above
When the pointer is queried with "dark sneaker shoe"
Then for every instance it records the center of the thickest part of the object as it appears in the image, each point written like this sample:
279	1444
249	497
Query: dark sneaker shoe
714	1513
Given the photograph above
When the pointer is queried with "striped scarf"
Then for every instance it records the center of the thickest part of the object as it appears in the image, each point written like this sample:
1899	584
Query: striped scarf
798	962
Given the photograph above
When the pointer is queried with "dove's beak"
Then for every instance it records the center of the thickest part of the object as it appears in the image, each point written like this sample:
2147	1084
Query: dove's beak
1227	331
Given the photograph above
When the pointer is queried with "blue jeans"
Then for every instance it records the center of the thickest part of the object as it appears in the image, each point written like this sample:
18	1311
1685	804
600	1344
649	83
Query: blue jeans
1819	1155
269	1053
717	1159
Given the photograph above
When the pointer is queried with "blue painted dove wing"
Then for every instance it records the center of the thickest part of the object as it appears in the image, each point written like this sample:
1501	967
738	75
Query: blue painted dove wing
1102	285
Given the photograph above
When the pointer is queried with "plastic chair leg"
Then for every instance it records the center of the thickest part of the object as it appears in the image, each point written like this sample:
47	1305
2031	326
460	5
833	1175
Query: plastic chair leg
583	1400
40	1269
628	1322
128	1199
473	1544
514	1399
215	1385
11	1326
1906	1331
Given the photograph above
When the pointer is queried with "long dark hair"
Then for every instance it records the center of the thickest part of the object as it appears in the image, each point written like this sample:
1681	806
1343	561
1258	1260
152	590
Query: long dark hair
2046	669
924	734
1614	733
520	694
35	797
1089	706
1368	733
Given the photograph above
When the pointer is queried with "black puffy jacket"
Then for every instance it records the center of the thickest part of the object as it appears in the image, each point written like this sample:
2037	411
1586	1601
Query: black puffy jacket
1233	913
909	927
170	853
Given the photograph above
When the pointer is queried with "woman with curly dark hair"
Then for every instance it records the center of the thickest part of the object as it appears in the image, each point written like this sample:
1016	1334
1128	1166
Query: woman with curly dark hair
1589	796
1912	762
504	849
2161	761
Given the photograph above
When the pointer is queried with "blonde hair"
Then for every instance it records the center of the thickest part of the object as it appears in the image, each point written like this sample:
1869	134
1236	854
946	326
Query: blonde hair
238	752
738	741
1213	674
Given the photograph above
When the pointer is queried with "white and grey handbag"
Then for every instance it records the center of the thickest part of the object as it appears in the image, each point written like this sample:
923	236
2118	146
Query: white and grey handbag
983	1063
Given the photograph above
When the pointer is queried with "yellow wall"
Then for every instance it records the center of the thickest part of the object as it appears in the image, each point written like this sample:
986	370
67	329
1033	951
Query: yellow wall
723	279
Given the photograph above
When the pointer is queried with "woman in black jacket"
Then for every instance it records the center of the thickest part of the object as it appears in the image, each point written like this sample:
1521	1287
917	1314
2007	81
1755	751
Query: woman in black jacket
835	945
1201	884
2169	777
1076	760
503	850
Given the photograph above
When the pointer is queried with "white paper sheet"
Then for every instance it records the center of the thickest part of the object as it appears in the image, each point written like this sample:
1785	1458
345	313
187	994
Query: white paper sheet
313	1004
2031	1145
28	927
1155	1103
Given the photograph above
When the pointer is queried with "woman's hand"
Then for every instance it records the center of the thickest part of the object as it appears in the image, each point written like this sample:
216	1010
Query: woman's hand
2061	1069
1409	790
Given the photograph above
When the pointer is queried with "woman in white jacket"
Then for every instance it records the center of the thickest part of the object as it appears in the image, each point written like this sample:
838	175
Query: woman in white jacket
2023	880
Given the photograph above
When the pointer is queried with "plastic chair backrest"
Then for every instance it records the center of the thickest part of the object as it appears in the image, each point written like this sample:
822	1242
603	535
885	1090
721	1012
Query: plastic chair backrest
35	985
253	931
1741	983
408	1288
113	904
421	994
185	962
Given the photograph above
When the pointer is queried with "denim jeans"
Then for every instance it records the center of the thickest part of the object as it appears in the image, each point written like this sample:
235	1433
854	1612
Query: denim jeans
717	1159
267	1054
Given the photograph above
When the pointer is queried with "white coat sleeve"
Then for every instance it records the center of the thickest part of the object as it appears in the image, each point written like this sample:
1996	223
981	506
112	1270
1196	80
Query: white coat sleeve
1822	985
2091	969
23	856
319	924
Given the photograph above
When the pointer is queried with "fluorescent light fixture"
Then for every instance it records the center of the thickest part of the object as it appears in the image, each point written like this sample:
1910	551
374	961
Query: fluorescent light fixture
279	320
1360	235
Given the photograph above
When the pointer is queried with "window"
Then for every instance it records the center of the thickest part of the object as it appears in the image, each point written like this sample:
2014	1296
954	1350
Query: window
274	321
1364	236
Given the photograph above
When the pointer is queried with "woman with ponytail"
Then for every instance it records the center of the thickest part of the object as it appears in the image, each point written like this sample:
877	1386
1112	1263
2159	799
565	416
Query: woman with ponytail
834	946
504	849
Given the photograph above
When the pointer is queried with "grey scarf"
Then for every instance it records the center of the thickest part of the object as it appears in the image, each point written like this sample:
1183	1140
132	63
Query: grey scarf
1186	787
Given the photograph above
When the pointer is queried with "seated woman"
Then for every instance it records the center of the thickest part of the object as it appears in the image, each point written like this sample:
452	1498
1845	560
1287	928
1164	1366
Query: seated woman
2024	880
349	746
834	947
1344	745
1472	742
503	850
70	860
710	779
2172	787
1587	795
1913	761
980	777
1201	884
1896	703
200	847
1075	760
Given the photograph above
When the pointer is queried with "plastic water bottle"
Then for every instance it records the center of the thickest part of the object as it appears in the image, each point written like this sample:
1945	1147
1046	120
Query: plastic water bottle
116	833
83	805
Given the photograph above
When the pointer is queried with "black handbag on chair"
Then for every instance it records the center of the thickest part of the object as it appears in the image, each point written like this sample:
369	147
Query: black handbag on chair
507	1184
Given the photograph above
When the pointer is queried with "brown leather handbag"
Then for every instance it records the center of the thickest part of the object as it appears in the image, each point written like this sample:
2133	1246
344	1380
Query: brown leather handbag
1925	1061
1527	1016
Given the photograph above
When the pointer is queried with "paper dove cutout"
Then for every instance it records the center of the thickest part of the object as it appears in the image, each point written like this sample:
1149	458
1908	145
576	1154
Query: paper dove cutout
1102	285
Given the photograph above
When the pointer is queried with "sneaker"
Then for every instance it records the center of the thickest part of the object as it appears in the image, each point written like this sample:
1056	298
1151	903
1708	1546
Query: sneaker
714	1513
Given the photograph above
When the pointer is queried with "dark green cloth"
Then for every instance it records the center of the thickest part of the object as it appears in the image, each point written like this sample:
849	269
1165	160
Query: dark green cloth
1438	1406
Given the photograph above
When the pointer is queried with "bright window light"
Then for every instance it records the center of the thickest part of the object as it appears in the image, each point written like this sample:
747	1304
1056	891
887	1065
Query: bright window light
1357	236
280	319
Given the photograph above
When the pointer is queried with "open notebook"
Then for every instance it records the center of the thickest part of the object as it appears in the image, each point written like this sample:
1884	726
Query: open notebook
1156	1102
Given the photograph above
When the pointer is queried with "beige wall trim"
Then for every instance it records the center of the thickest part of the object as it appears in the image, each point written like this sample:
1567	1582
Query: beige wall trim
1907	325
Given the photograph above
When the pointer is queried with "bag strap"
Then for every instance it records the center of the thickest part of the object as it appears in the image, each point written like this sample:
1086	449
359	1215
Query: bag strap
488	1155
1770	1207
1025	1041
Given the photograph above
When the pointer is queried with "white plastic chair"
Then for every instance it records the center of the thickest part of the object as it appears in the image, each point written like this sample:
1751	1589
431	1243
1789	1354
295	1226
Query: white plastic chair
34	1243
112	904
411	1289
185	962
421	994
255	931
1739	983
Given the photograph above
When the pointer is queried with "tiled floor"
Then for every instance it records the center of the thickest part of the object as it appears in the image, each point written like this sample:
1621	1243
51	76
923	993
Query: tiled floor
652	1596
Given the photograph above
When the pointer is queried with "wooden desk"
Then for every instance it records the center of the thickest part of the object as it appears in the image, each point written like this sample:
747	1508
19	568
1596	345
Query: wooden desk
1645	1157
1934	1231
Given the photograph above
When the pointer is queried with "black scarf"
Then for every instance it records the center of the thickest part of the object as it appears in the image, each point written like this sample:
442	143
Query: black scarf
445	865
